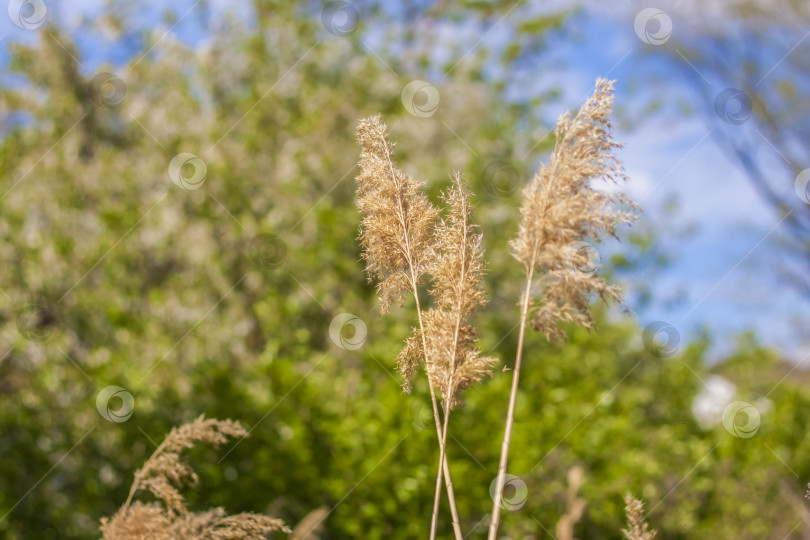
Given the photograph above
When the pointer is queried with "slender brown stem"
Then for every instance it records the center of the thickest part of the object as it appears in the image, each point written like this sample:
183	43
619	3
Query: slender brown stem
443	451
497	500
443	465
442	460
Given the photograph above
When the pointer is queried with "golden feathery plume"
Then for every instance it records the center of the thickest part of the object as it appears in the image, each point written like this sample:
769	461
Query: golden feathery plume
454	362
396	234
397	220
162	475
636	525
163	472
561	208
395	231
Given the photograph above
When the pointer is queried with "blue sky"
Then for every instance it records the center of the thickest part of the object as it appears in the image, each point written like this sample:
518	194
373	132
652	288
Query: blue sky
725	269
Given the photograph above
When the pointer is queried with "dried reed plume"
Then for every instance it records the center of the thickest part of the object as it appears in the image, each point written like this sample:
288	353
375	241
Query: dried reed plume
560	208
396	233
636	526
162	475
454	362
398	219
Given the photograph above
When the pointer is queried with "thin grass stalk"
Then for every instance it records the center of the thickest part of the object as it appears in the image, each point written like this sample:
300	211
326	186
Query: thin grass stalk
437	494
441	434
497	500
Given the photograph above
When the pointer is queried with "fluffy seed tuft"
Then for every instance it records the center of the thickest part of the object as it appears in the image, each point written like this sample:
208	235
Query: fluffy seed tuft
162	475
561	207
398	219
636	525
454	362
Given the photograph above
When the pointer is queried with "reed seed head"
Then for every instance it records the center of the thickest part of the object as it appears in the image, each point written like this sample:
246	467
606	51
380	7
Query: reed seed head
637	528
397	217
561	207
454	363
410	358
164	471
162	475
575	505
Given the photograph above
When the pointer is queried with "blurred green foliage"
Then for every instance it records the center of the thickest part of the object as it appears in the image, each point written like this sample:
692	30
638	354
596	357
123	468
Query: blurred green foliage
113	275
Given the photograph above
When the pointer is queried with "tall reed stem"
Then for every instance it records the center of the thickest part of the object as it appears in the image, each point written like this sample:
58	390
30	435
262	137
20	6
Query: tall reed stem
437	494
497	500
441	433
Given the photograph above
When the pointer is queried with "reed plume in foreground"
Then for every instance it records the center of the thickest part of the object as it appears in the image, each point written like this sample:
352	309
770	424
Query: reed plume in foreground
560	209
454	363
396	234
162	475
636	525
